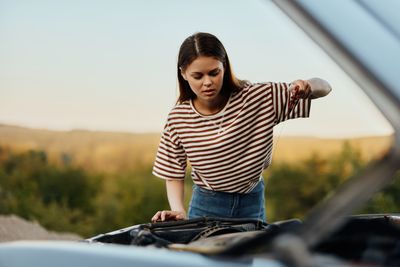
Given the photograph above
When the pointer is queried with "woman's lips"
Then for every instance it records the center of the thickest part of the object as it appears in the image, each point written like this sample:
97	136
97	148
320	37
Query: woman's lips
209	92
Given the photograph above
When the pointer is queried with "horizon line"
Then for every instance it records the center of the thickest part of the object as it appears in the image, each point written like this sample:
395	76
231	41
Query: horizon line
287	135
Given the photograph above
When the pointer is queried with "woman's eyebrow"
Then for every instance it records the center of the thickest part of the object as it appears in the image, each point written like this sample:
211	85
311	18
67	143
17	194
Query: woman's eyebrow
216	69
196	72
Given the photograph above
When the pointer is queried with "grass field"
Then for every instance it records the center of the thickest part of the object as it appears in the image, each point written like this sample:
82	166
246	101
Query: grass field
113	151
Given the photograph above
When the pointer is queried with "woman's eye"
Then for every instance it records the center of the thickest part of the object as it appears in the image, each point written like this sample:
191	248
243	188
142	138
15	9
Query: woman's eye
215	73
197	77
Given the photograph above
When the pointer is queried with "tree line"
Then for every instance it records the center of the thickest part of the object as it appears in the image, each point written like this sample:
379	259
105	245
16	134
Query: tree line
72	199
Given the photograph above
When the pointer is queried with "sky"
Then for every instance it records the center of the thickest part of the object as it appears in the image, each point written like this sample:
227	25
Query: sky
111	65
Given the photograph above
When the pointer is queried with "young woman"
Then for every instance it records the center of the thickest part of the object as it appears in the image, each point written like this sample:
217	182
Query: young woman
223	126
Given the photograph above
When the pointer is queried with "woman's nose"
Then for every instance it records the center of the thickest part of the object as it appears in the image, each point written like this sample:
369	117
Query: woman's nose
207	81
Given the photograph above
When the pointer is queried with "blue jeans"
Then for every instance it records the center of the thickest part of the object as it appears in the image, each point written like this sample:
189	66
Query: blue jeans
228	205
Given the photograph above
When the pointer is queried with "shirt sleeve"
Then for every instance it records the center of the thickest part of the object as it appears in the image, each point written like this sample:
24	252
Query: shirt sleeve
170	163
284	107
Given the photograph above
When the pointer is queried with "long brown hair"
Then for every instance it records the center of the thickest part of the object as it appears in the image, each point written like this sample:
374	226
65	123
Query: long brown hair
204	44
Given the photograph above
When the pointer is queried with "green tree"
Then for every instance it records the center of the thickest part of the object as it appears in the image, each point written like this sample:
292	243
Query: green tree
128	199
385	201
59	198
292	190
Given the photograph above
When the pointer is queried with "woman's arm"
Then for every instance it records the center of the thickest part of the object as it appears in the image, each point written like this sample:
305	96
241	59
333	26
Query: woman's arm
175	193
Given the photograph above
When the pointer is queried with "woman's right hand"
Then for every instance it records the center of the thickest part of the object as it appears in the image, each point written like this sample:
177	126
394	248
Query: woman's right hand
168	215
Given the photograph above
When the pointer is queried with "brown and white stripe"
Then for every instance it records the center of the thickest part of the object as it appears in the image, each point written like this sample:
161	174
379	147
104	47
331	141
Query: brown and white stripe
228	151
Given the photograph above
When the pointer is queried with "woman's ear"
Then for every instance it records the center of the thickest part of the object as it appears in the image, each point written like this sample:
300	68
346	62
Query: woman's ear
183	74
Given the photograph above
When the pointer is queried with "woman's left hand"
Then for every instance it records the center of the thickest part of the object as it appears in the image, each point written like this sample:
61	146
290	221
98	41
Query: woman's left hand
169	215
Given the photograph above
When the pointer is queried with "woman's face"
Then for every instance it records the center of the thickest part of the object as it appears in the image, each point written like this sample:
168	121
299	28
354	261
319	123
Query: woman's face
205	76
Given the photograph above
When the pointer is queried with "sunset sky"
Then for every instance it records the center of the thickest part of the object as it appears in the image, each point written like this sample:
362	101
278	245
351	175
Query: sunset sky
111	65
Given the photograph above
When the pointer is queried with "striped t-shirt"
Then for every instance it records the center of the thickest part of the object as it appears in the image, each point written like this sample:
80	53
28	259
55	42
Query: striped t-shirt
227	151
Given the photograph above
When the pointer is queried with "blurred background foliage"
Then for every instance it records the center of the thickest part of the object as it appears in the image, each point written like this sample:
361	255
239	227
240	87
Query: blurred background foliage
64	197
293	189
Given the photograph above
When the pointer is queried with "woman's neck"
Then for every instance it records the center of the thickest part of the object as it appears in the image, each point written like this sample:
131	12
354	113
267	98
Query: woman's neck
210	107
